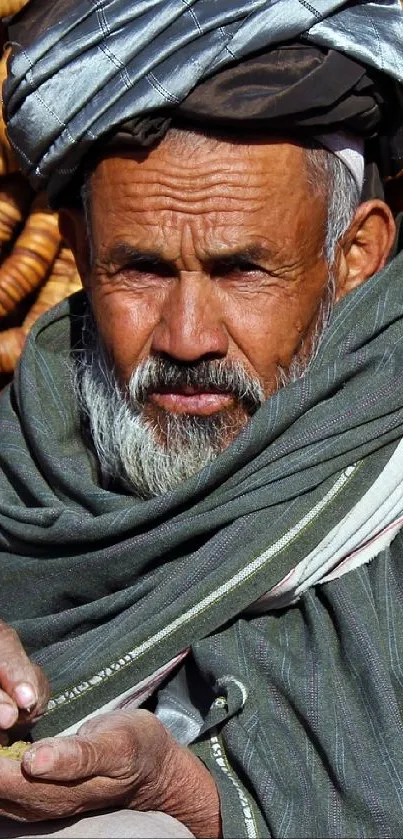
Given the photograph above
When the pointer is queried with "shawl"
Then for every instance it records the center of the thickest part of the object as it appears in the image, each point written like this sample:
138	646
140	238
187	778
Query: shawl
106	589
79	71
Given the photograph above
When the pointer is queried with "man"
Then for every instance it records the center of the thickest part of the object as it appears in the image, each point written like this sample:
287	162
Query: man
202	453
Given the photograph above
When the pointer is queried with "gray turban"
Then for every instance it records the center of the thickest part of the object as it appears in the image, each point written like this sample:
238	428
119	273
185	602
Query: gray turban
82	71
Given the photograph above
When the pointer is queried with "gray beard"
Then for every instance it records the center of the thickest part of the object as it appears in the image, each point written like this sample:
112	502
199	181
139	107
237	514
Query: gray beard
153	455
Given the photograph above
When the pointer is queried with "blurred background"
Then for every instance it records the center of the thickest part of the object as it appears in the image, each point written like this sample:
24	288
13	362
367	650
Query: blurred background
37	270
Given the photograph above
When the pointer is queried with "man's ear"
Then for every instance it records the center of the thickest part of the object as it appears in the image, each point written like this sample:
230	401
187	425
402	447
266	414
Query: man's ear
73	229
365	247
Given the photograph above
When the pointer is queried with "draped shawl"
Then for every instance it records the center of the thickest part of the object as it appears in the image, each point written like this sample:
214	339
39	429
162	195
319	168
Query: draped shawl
105	588
79	70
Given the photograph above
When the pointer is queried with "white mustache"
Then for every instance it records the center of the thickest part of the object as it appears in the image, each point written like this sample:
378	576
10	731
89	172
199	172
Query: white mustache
159	374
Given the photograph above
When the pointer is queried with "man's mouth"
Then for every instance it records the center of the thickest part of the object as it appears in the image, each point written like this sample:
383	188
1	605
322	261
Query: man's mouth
188	400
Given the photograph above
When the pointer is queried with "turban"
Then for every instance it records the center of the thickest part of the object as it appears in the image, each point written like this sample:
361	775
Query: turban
83	72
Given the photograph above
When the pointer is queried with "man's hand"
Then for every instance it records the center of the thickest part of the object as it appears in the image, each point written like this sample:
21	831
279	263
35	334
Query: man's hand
120	759
24	690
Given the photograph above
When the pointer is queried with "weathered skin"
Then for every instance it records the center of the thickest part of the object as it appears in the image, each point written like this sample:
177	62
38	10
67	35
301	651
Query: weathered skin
24	690
186	213
194	213
191	211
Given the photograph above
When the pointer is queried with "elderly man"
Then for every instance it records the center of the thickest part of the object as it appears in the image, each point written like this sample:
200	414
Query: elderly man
201	453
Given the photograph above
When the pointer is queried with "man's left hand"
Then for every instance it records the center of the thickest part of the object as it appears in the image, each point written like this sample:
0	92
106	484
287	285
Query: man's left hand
121	759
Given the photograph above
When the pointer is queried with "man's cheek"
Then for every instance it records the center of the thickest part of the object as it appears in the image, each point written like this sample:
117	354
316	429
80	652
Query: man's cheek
126	330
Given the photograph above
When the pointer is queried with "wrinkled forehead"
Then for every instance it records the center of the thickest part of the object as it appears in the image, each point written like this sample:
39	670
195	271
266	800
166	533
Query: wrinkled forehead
210	192
186	161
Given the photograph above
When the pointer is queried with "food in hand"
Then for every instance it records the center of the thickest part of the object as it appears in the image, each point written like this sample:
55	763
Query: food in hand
16	751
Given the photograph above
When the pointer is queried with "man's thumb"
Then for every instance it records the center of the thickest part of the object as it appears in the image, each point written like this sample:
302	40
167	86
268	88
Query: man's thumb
65	759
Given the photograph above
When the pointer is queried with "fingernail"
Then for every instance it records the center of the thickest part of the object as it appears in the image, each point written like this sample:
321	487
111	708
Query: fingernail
25	696
40	760
8	715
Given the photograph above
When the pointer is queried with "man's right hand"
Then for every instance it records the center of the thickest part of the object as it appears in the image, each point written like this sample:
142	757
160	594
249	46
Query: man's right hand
24	689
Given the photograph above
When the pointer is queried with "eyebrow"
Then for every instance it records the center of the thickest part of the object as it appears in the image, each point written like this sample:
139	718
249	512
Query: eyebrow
122	254
251	253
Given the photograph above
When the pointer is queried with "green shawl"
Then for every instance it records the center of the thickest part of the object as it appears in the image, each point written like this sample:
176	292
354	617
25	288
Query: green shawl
104	588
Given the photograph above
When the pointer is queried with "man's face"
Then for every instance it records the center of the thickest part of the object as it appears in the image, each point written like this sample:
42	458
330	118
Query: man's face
208	263
213	254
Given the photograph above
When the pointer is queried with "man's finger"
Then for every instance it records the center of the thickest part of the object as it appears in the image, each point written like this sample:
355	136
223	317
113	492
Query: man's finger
8	711
74	758
120	745
23	682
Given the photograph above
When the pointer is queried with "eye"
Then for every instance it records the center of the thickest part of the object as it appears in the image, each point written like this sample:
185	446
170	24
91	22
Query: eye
148	267
248	268
235	269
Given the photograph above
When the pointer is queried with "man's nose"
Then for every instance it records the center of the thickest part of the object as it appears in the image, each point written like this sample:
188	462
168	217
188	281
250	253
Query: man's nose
190	327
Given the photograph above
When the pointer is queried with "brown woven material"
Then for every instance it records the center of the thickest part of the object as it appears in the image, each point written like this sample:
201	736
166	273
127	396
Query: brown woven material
63	281
35	273
31	259
15	201
11	344
11	7
8	160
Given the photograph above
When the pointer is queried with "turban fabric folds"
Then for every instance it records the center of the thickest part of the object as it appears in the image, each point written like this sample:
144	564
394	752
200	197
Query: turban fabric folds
80	72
